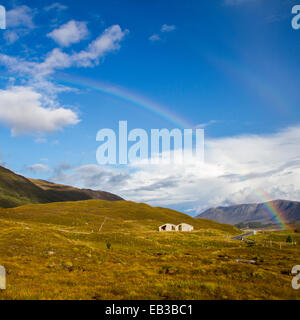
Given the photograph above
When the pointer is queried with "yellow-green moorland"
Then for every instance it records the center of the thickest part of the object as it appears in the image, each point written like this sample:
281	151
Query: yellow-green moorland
112	250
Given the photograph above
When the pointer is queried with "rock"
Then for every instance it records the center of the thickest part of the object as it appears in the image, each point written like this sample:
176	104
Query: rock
245	261
171	271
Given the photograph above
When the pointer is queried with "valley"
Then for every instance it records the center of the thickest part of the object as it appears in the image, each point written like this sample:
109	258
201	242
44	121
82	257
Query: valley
112	250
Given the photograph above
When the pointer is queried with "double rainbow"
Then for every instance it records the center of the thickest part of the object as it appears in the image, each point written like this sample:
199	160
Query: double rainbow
121	93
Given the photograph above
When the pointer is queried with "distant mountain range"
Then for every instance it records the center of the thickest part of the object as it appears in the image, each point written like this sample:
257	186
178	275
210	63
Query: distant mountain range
244	213
16	190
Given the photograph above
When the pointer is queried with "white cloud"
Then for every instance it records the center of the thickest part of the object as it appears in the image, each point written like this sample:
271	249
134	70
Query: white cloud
11	36
167	28
164	28
241	169
38	168
69	33
154	37
40	140
56	6
108	41
206	124
21	16
22	109
91	176
32	108
19	22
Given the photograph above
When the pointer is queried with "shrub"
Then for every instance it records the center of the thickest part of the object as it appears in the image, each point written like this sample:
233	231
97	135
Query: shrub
289	239
108	245
250	243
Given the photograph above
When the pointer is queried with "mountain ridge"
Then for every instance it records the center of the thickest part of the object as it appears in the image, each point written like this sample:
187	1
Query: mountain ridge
254	212
17	190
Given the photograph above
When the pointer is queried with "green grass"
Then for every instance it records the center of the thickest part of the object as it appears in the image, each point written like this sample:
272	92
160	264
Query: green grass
16	190
56	251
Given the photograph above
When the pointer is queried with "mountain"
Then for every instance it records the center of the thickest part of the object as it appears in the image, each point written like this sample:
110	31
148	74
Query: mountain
289	210
16	190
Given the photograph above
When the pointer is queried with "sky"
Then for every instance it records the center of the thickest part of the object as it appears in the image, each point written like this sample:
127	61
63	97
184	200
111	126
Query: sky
69	69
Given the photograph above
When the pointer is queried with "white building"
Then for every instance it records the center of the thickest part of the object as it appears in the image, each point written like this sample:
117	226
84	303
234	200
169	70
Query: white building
184	227
167	227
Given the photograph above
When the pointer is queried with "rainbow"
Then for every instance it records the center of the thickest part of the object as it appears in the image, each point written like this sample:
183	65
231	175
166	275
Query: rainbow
271	209
125	95
144	103
259	86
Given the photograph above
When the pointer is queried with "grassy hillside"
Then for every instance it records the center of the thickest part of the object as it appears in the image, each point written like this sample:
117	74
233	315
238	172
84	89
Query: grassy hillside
112	250
117	216
16	190
59	192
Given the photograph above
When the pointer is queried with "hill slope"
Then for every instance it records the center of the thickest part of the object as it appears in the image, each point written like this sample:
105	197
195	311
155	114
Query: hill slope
101	250
253	212
117	216
16	190
61	192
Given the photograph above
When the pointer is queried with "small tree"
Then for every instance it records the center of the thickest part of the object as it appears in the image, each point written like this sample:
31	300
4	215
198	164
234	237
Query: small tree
108	245
289	239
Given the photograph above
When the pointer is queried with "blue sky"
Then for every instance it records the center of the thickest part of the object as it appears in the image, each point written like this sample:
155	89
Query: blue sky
230	65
